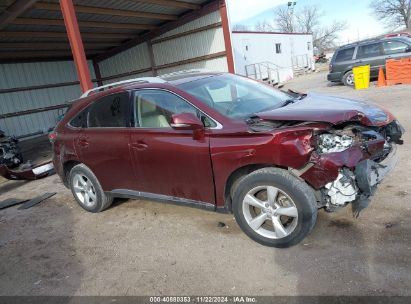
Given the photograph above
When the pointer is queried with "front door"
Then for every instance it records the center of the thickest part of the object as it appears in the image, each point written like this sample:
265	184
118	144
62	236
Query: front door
104	144
395	49
167	161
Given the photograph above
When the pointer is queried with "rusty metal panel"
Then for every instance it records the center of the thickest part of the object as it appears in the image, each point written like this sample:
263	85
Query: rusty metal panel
191	46
186	47
200	22
214	65
22	75
133	59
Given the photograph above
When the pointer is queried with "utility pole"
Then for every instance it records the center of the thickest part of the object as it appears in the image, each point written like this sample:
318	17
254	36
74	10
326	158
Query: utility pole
291	6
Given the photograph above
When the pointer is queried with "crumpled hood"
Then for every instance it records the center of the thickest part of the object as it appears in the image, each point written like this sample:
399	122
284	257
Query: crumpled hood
334	110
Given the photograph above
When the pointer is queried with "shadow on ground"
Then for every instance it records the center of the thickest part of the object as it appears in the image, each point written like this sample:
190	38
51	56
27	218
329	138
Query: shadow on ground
339	259
37	251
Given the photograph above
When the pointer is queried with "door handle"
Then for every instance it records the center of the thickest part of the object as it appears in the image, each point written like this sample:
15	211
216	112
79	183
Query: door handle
139	146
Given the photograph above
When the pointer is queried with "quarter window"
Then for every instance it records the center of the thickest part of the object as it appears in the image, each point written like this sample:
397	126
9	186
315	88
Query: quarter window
369	50
110	112
154	109
394	47
344	55
80	121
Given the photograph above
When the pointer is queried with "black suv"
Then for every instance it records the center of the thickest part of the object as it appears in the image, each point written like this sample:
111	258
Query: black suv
373	52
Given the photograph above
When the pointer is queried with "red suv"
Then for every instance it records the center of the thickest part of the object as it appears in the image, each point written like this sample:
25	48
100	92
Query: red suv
225	143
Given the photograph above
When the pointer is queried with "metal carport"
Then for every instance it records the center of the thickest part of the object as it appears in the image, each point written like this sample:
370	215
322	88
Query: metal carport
110	40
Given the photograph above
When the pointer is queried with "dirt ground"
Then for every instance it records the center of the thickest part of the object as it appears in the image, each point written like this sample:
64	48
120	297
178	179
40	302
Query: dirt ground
148	248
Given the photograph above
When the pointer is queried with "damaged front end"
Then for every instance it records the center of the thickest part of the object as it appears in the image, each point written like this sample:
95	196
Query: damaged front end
350	161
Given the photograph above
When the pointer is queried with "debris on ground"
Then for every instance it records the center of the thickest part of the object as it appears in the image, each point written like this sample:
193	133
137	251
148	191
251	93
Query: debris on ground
11	202
36	200
10	154
37	172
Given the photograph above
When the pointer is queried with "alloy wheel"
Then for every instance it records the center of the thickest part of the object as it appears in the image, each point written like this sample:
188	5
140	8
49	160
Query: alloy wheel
84	190
350	79
270	212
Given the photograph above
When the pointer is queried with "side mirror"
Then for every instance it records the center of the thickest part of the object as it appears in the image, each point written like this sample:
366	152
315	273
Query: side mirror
408	50
186	121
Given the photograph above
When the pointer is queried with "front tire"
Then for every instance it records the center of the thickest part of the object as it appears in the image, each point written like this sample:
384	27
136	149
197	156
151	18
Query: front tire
87	190
274	208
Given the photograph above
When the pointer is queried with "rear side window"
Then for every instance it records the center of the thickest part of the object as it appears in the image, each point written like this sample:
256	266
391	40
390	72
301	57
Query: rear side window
345	54
79	121
369	50
394	47
110	112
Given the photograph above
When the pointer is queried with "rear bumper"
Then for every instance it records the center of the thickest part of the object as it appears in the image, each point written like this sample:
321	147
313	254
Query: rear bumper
369	174
334	77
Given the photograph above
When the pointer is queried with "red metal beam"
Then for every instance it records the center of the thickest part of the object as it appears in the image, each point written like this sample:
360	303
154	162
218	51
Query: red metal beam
227	36
77	48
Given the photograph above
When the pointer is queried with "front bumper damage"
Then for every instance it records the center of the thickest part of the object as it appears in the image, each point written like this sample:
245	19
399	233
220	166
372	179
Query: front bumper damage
358	185
352	175
368	174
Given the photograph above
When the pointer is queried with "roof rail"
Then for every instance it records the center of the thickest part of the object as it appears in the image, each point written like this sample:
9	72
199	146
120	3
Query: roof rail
123	82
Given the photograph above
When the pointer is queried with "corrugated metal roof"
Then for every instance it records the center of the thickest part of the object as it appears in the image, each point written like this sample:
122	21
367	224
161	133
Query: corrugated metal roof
62	29
5	4
43	14
126	5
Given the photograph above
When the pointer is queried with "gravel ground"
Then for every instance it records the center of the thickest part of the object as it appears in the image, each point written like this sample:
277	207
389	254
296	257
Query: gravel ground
148	248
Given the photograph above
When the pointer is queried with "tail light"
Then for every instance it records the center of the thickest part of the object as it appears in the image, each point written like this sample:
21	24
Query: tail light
52	136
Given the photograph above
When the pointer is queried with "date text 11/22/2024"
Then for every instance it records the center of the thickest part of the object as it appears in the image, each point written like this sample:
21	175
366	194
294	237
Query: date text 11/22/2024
203	299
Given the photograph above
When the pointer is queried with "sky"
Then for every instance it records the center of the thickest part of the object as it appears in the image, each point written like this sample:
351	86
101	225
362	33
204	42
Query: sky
359	17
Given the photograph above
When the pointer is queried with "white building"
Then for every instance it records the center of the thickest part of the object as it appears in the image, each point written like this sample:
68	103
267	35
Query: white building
276	56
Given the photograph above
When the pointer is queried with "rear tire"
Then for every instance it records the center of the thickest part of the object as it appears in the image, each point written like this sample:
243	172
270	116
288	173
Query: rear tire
348	79
87	190
274	208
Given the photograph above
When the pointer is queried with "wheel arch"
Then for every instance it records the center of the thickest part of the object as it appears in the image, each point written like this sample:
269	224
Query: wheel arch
67	166
235	177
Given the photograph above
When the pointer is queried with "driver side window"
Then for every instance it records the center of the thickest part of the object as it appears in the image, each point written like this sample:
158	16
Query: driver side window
154	109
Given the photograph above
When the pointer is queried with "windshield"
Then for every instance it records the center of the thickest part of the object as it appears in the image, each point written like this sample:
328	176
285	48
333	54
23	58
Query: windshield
235	96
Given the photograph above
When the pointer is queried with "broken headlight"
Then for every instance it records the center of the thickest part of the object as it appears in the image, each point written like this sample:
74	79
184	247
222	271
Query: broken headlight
329	143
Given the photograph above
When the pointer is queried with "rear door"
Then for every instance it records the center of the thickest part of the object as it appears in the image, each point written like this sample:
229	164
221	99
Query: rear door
104	145
343	60
371	54
167	161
